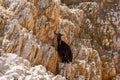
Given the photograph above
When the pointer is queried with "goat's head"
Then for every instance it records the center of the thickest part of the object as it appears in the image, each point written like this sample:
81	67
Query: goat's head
58	36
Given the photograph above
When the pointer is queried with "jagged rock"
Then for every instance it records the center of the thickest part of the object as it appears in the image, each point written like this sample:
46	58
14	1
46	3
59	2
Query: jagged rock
90	8
76	2
29	30
26	17
71	21
58	77
13	67
117	77
108	64
91	29
86	66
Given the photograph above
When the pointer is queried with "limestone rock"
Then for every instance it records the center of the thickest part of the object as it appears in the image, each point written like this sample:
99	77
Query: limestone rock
71	21
117	77
108	66
31	17
29	30
91	29
58	77
14	67
90	36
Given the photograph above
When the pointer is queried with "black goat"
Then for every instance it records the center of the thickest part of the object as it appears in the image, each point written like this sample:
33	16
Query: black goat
63	49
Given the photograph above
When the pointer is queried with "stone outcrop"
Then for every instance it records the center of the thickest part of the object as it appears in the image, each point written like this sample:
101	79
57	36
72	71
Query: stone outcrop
90	28
13	67
29	30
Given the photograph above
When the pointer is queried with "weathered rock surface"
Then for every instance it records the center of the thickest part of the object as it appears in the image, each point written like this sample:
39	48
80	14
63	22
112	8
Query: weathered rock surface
92	29
26	29
13	67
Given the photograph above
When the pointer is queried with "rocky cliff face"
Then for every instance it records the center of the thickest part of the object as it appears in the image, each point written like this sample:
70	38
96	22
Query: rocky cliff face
92	29
13	67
